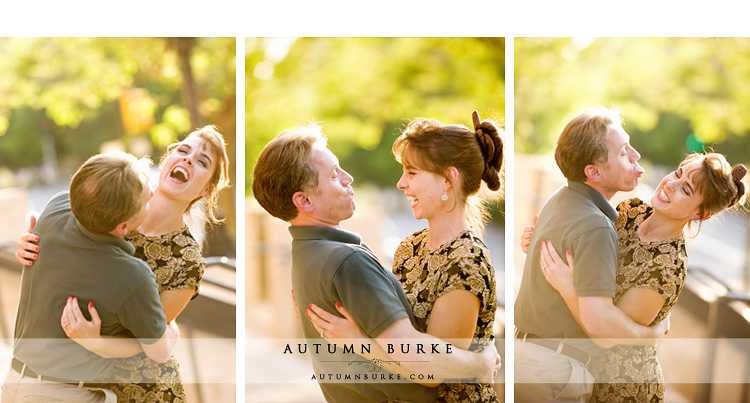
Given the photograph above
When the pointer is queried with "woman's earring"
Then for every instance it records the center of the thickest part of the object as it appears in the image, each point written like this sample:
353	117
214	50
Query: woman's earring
444	197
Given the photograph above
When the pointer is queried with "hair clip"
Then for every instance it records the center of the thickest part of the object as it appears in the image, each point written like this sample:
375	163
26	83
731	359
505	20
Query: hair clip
738	172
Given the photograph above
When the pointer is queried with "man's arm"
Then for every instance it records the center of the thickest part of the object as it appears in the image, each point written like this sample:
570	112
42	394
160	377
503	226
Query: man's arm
121	346
456	364
601	319
87	334
161	350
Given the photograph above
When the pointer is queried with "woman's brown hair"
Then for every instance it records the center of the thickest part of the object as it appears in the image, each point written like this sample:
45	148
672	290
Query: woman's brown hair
477	154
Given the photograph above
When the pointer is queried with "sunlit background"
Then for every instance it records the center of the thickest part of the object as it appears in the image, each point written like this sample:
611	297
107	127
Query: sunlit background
679	95
363	91
63	100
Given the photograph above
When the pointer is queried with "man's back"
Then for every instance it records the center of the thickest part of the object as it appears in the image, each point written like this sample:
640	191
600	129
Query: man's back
94	268
329	266
579	219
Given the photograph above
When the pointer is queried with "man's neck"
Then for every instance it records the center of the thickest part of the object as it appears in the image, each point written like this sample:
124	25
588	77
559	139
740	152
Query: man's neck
308	221
608	194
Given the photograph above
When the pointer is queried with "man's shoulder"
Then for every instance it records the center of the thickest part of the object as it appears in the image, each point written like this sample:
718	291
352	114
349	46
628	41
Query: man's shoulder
569	214
574	204
57	205
127	267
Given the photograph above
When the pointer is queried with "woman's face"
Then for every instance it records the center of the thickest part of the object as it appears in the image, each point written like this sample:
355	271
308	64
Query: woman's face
185	172
676	195
424	189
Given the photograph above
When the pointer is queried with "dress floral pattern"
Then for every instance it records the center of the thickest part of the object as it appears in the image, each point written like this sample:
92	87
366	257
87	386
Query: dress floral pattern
460	264
633	373
178	264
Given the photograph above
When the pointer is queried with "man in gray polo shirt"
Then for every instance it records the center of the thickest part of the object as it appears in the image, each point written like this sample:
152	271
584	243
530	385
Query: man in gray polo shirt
298	180
85	256
551	349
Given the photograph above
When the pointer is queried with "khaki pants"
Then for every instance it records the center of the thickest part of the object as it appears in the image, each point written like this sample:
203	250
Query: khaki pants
542	375
18	389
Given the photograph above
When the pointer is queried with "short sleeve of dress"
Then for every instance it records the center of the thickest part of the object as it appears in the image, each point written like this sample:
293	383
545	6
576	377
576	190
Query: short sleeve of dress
189	267
470	273
175	259
664	271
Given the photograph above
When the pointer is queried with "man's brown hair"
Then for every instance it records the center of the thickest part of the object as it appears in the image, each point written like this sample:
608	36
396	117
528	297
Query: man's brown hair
583	141
108	190
284	167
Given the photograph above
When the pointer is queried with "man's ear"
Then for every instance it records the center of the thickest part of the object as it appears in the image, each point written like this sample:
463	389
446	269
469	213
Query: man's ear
592	173
302	202
121	229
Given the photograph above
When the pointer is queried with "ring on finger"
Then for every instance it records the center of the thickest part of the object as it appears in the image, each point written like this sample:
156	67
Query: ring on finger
66	324
544	267
323	333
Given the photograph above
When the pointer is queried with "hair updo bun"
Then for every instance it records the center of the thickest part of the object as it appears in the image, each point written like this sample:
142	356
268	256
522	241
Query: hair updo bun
491	145
738	172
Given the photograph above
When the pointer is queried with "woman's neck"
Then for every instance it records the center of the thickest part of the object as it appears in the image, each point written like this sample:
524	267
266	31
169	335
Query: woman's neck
164	216
446	226
658	227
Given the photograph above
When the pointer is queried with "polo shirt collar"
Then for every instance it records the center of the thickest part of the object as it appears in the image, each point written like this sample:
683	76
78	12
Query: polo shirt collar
597	198
325	233
106	239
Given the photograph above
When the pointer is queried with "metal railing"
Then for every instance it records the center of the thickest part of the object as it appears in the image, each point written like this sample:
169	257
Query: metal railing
724	320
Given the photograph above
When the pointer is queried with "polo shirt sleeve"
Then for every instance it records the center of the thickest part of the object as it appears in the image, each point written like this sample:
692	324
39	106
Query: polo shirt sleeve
365	289
142	312
595	262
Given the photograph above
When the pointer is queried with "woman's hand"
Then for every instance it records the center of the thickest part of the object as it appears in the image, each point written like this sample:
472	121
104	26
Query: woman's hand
294	305
528	231
76	326
27	250
330	326
556	272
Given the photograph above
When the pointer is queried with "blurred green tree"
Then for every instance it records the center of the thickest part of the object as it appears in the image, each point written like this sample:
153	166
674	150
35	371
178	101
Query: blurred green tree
365	90
678	94
61	99
76	93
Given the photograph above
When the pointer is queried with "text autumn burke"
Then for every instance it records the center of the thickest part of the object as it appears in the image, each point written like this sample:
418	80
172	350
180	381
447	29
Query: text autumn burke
360	349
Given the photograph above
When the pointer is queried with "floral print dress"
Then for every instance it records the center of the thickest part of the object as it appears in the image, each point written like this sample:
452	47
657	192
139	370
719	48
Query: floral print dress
178	264
462	263
632	373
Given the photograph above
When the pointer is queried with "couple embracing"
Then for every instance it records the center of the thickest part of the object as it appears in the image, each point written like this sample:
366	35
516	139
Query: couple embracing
112	248
587	325
441	288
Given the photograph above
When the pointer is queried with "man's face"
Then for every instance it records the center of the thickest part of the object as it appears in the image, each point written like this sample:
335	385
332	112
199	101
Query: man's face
333	200
621	171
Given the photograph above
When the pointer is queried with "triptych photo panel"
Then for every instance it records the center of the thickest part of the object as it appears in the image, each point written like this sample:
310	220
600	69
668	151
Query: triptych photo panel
375	219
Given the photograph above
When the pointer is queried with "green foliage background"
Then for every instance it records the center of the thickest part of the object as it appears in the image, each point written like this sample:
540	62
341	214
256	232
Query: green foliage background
668	88
64	92
365	90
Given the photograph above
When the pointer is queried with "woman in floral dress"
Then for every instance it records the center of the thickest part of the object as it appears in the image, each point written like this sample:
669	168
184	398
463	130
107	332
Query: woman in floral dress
445	269
191	174
652	267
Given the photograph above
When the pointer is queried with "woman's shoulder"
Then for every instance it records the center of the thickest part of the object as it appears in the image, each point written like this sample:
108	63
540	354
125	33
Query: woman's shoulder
631	211
415	238
633	204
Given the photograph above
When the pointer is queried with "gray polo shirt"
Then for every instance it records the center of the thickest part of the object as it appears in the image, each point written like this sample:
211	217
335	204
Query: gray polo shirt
579	219
92	267
331	265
